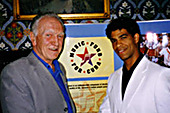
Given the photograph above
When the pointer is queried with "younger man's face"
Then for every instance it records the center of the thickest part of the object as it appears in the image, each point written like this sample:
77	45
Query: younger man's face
124	44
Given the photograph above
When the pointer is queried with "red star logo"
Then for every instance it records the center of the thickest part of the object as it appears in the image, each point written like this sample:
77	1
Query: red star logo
86	57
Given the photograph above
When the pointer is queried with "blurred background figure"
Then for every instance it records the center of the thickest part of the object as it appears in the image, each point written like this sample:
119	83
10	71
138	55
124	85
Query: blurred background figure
165	52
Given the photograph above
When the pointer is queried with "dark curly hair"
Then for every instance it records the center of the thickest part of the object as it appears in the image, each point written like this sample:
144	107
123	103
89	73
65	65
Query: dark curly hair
122	22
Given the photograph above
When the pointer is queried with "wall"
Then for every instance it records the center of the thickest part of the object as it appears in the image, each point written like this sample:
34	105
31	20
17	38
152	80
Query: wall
14	35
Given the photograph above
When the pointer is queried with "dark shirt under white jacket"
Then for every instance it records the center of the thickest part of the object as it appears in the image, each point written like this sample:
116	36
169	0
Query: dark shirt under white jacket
27	86
147	90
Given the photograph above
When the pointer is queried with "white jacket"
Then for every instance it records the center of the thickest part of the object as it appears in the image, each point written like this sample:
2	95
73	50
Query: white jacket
148	90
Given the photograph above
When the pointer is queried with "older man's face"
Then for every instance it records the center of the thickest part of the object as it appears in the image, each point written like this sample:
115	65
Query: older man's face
49	40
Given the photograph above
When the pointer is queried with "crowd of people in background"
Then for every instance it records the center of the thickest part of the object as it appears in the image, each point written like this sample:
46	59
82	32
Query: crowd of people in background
157	48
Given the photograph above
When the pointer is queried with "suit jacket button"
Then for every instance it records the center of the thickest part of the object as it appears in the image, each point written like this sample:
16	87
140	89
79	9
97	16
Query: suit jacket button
65	109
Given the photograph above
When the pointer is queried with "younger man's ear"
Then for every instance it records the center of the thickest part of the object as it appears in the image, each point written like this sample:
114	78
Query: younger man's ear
136	37
33	38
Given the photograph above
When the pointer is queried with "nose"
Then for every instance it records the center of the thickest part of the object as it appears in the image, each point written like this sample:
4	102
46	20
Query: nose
55	40
118	43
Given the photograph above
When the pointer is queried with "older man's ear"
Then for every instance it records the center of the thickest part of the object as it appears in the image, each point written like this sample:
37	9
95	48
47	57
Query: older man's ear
33	38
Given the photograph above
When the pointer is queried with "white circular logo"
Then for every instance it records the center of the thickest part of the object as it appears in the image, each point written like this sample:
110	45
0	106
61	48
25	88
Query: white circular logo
85	57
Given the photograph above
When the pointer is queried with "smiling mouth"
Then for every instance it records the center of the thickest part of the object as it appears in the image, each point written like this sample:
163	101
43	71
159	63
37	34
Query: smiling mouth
121	51
53	49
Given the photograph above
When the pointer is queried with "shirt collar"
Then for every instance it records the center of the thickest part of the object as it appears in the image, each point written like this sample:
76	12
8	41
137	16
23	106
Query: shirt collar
55	62
134	65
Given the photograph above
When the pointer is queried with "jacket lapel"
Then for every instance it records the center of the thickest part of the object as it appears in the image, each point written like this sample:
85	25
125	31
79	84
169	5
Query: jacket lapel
65	84
136	80
37	65
115	90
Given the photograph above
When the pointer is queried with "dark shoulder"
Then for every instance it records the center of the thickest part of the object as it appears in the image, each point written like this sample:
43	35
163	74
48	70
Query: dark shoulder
17	63
15	68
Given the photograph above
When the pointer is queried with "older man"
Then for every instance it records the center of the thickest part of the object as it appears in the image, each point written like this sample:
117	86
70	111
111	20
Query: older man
37	83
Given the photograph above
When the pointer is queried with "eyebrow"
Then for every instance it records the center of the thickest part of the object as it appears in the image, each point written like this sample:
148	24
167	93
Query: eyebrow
120	36
123	35
62	33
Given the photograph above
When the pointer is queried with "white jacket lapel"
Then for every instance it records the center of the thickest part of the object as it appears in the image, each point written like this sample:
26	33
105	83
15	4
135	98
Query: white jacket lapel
136	80
115	90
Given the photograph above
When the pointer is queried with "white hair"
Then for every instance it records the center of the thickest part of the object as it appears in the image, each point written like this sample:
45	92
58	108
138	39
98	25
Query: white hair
35	23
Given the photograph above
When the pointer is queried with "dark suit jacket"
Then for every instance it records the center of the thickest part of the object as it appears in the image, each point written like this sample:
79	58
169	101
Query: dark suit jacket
28	87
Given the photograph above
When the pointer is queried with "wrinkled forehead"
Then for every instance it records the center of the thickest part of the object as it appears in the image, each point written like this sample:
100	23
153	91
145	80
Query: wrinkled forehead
53	31
50	23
